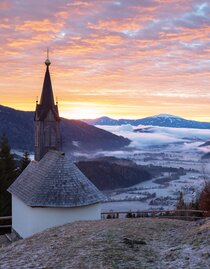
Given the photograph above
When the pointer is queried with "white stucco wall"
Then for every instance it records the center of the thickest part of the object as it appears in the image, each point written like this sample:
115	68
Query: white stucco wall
27	220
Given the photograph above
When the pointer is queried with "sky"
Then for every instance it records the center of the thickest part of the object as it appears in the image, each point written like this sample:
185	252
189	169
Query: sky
119	58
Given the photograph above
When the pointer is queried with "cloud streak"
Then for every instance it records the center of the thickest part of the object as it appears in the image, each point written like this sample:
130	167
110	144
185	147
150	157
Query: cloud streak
155	51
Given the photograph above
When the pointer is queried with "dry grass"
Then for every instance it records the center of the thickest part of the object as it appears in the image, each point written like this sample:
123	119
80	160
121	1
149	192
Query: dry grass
119	243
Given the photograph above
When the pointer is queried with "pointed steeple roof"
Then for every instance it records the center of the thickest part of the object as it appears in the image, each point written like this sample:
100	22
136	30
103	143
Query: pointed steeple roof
47	98
47	102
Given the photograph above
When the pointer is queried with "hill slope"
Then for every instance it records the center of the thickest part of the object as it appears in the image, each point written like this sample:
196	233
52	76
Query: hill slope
80	135
109	176
120	243
163	120
76	135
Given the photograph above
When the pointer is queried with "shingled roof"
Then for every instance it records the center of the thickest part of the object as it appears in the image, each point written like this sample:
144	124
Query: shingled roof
55	181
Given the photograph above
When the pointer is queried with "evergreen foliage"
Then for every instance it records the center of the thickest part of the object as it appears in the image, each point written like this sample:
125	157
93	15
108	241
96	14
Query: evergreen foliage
204	199
108	176
201	202
24	162
181	203
194	204
8	173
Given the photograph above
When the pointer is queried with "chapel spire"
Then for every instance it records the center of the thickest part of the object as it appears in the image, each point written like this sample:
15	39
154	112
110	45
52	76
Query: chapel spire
47	99
47	120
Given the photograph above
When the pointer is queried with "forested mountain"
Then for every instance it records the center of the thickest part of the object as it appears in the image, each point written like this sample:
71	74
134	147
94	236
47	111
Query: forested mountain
76	135
108	176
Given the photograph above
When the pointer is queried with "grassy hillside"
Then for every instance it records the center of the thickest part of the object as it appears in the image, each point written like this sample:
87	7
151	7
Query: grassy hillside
119	243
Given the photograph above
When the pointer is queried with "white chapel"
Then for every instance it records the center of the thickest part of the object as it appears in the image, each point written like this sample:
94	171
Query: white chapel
51	190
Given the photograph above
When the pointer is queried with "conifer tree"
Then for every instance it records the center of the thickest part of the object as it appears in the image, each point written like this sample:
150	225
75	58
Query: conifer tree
24	162
180	203
194	204
8	173
204	199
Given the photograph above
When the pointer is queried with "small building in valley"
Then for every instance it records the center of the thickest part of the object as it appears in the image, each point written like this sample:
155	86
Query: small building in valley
51	191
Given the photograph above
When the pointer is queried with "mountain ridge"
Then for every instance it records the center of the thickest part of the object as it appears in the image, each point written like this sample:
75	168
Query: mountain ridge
161	120
76	135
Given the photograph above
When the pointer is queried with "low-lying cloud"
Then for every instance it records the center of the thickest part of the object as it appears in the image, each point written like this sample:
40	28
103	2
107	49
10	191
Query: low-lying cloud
190	138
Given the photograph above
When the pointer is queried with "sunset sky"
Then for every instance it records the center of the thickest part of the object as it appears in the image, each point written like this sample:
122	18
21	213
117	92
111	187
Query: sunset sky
123	58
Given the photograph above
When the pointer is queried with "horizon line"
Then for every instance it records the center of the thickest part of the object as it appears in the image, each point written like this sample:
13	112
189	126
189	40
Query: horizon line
63	115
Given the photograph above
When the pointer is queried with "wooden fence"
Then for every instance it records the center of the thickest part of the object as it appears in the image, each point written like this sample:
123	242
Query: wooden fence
173	214
5	224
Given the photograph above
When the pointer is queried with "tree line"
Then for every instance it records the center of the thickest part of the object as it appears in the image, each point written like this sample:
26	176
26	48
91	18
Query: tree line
201	202
10	169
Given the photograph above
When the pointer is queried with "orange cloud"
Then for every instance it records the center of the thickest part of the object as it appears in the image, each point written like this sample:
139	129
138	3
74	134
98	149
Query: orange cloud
116	25
127	58
40	26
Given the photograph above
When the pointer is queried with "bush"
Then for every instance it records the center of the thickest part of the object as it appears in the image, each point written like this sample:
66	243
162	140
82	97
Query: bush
129	215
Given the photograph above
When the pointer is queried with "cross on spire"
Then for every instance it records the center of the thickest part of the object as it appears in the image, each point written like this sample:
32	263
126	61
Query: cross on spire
47	62
48	50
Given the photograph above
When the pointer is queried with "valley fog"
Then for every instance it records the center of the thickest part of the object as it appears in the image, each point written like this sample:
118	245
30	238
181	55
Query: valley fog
174	156
162	147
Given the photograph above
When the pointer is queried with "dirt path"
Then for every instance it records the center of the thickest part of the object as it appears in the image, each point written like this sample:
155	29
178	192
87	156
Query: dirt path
119	243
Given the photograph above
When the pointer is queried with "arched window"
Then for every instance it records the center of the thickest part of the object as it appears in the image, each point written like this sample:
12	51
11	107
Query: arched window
50	137
53	137
36	136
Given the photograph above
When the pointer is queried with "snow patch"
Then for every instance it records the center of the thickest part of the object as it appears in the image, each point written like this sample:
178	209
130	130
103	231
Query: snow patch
166	116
